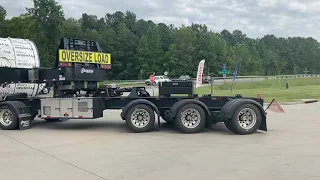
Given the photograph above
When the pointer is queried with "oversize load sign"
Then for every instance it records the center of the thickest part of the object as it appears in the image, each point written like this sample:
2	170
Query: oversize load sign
84	57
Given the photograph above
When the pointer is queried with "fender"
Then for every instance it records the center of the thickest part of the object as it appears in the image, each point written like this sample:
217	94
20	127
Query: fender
135	102
176	106
228	109
23	112
225	112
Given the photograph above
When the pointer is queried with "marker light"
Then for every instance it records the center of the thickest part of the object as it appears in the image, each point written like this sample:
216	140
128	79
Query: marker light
63	64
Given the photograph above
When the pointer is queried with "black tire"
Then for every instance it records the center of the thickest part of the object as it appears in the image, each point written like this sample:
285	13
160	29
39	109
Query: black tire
149	124
234	125
179	119
14	124
165	118
228	105
229	126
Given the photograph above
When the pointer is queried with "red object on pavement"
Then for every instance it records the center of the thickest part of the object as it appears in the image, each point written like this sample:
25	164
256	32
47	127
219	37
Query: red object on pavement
152	78
275	107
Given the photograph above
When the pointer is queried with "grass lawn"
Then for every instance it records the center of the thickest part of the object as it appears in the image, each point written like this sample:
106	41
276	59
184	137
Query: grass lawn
300	88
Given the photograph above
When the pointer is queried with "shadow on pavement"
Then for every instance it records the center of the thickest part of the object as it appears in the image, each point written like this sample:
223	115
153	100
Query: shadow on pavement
116	126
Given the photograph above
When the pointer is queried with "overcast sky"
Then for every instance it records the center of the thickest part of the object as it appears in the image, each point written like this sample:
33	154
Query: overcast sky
253	17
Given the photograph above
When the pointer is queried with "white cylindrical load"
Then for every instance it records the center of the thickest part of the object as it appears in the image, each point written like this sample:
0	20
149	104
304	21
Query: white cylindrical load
19	53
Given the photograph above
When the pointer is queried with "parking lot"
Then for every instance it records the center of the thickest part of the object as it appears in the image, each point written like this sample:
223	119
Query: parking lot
105	149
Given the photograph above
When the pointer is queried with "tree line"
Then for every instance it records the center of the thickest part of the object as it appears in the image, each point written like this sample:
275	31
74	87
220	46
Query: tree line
140	47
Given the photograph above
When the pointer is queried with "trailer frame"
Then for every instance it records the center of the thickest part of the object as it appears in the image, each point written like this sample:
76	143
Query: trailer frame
190	113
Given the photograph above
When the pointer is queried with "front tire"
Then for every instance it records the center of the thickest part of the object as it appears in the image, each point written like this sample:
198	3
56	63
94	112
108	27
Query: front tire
191	118
245	120
9	119
140	118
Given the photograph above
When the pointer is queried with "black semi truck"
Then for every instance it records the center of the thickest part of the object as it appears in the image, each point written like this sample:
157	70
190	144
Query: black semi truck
81	65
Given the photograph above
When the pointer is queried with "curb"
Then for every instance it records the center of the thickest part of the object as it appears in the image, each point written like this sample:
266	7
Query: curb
298	102
312	101
287	103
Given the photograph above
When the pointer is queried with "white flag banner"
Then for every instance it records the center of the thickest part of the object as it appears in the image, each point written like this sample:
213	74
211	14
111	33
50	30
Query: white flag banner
200	73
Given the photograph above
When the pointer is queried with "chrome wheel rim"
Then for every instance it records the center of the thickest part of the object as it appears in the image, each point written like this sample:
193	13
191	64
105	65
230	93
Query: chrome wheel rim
140	118
247	118
190	118
6	117
45	90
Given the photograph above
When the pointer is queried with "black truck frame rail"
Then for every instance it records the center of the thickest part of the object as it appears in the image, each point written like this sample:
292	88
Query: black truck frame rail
78	96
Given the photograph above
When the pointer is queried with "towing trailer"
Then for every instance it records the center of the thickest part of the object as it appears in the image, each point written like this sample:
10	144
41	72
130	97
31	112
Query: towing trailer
81	64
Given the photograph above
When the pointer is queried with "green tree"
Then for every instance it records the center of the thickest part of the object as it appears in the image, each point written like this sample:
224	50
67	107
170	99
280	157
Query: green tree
150	53
124	56
165	35
181	52
72	28
143	59
3	14
22	26
49	17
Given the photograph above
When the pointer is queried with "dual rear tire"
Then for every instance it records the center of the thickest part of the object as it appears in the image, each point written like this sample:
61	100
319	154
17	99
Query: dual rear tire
191	118
246	119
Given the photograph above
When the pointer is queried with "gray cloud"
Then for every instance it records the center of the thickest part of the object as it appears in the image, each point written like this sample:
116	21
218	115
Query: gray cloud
254	17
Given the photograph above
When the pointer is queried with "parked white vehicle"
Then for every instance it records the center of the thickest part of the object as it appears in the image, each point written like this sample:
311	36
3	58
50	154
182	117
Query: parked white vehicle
158	79
161	79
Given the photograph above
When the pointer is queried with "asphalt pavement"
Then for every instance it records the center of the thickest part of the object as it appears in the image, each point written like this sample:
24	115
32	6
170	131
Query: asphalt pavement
105	149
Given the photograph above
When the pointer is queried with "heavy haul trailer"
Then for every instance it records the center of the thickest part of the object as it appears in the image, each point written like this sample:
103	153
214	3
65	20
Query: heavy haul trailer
77	96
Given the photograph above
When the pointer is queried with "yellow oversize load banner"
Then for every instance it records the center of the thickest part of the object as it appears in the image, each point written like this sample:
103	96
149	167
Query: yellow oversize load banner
84	57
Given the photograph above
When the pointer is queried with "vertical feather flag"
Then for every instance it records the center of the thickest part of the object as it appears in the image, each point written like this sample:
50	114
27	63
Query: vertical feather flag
235	74
200	73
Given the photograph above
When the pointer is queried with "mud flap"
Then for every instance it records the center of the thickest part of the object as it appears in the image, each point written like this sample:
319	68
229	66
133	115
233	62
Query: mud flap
24	121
